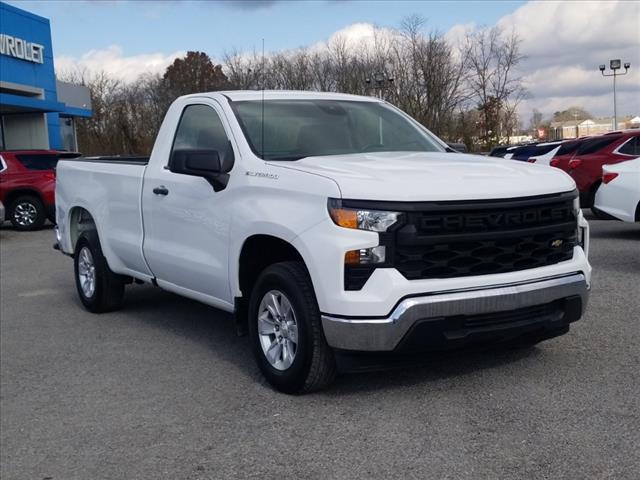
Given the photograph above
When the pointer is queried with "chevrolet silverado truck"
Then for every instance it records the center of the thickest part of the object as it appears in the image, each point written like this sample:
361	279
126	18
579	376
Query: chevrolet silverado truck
328	223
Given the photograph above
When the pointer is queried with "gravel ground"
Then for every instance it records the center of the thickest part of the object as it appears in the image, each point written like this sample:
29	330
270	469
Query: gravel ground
164	390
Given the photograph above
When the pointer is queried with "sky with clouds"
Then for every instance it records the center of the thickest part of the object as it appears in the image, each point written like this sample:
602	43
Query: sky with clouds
564	41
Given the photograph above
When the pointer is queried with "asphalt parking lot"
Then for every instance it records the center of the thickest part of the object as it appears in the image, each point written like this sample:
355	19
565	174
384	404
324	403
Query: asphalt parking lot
164	389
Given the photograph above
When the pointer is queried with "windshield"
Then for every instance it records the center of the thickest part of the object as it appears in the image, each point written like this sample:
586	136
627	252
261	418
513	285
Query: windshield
294	129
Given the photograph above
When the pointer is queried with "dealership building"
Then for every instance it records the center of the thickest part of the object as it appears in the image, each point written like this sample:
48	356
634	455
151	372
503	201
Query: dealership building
36	110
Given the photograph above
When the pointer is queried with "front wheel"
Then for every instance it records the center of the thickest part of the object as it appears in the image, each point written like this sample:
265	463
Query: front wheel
286	334
100	290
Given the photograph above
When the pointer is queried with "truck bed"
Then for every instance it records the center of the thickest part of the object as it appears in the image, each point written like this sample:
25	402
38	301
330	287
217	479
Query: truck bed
109	188
117	159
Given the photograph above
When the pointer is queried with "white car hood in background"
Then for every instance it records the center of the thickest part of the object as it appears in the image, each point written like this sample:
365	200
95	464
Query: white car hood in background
420	176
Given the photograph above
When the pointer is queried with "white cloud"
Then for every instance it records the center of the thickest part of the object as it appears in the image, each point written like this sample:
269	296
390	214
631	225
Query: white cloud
113	61
564	42
356	36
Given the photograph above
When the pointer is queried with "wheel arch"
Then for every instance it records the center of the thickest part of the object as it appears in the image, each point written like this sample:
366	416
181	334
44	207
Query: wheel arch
80	220
258	251
18	192
593	190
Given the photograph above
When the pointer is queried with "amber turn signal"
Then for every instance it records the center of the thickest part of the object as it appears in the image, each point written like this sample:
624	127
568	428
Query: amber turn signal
344	217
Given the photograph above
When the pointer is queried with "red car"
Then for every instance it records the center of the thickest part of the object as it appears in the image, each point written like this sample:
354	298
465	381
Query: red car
586	165
565	153
28	184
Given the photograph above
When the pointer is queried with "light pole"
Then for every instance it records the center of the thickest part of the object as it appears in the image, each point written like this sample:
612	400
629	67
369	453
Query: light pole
379	82
614	65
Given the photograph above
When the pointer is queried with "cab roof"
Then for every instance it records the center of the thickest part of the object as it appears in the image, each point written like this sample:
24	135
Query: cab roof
243	95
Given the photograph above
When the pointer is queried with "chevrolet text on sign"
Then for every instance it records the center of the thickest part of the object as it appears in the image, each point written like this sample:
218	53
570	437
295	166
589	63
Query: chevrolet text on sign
19	48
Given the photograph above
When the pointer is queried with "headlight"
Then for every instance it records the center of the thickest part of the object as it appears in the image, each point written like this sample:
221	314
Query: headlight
371	220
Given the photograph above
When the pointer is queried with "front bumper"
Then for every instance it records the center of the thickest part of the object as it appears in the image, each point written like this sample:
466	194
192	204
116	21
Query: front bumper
454	318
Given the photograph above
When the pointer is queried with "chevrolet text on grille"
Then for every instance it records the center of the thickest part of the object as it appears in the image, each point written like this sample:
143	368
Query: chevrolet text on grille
507	219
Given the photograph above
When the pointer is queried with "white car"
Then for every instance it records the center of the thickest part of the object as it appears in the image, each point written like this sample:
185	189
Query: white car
328	223
619	192
545	158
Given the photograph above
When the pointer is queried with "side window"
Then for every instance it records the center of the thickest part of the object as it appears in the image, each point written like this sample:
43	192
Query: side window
200	128
632	147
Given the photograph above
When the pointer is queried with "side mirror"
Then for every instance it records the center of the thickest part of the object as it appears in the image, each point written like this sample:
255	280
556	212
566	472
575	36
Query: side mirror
208	164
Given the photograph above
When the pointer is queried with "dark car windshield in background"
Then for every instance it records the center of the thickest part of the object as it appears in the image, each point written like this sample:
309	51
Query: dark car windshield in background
528	151
592	145
39	161
43	161
294	129
568	147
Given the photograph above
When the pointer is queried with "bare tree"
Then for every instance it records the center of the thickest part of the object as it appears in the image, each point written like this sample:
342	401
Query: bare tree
492	59
465	94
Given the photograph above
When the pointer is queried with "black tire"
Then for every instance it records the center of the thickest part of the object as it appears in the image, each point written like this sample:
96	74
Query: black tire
108	291
313	366
26	204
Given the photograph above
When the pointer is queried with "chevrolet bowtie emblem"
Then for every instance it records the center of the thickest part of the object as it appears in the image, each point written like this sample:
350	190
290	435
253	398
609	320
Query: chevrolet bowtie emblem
557	243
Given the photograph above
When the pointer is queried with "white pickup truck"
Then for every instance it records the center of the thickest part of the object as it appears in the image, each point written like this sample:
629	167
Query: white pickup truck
328	223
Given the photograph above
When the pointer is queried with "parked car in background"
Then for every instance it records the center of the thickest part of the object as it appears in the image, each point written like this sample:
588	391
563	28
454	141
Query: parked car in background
586	165
536	153
27	186
503	150
619	192
565	153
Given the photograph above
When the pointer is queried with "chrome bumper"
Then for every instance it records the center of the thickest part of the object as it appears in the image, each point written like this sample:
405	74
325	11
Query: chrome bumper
385	333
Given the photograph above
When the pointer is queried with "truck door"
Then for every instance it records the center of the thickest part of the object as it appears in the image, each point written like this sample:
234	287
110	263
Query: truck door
186	223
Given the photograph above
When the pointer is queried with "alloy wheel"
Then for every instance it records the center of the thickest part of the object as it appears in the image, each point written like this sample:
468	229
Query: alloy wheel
277	330
25	214
87	272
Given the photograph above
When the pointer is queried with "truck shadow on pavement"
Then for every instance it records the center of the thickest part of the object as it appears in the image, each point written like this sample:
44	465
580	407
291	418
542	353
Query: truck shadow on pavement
216	330
430	368
631	233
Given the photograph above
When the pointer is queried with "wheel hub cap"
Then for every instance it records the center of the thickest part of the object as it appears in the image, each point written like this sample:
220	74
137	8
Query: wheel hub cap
87	272
25	214
277	330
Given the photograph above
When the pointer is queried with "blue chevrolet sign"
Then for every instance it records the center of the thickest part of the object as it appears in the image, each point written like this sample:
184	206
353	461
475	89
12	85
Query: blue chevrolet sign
34	111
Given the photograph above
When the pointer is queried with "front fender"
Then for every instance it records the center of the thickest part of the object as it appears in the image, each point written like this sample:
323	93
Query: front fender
283	207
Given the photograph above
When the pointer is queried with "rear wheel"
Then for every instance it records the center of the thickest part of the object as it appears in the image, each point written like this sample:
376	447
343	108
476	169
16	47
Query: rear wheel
99	289
286	334
27	213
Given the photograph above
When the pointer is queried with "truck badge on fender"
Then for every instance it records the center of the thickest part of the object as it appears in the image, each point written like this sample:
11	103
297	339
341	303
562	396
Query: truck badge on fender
272	176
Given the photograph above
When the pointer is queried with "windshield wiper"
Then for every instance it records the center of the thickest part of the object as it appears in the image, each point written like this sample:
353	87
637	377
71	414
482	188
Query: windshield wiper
289	158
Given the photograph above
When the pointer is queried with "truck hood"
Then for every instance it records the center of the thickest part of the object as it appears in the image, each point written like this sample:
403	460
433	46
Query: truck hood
432	176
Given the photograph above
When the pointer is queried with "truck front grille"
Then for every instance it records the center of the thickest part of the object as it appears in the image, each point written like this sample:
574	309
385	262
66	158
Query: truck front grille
460	239
481	238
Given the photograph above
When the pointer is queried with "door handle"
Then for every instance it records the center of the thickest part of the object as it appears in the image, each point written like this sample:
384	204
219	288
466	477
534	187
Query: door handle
161	190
